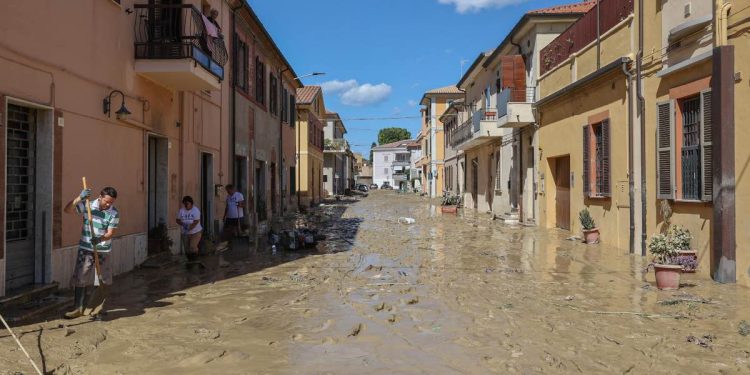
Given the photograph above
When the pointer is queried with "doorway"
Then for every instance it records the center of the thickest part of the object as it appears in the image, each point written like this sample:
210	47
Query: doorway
207	192
20	195
561	174
475	181
158	170
260	191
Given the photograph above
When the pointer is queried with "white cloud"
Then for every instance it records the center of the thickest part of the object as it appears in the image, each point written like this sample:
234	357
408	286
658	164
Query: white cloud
465	6
336	86
412	103
354	94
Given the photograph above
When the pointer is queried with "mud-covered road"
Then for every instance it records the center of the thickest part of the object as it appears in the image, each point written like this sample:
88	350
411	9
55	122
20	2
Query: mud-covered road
447	295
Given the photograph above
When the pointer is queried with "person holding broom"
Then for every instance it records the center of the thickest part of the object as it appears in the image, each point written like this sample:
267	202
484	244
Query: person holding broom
104	221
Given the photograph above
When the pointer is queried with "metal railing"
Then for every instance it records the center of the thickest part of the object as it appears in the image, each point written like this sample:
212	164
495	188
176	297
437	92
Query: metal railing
179	32
336	144
584	31
514	95
462	133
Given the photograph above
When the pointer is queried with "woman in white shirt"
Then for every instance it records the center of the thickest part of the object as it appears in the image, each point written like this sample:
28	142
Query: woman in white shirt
189	218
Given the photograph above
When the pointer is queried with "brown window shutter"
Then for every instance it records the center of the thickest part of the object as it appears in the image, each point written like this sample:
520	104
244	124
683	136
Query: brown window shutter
707	175
664	150
606	170
586	175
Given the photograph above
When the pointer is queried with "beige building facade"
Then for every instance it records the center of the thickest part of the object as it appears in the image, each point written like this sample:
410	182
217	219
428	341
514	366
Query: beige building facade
310	119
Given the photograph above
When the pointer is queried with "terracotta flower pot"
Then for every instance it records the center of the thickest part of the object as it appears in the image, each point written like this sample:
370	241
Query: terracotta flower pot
449	209
591	236
667	276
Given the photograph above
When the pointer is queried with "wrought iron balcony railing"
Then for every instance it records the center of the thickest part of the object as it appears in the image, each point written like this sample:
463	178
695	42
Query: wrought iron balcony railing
179	32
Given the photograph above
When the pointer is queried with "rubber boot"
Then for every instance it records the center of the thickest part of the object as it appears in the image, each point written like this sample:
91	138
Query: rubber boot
78	299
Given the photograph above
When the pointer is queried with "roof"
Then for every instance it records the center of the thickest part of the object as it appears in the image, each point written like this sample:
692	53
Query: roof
306	95
403	143
574	8
482	56
564	10
246	5
445	90
450	90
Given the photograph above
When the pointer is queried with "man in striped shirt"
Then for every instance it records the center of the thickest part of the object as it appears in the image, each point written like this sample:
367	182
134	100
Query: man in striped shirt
105	219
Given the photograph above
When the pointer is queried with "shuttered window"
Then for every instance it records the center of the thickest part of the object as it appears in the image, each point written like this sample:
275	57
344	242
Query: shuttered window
664	147
260	81
596	160
292	110
498	175
692	142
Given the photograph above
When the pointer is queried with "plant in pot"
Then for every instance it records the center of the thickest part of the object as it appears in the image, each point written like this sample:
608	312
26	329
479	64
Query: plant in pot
590	231
686	256
450	204
665	255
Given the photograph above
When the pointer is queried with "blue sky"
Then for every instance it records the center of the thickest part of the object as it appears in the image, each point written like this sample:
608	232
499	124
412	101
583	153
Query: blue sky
380	56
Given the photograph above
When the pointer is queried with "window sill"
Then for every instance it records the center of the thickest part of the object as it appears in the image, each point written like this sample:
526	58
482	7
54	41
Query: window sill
690	201
597	197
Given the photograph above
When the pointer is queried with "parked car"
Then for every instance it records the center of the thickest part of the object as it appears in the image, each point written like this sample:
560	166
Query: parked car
363	188
373	186
386	186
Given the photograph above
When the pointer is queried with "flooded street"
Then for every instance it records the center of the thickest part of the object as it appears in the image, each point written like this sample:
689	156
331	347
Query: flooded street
446	295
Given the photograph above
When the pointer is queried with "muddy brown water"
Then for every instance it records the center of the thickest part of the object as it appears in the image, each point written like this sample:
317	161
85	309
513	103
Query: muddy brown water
447	295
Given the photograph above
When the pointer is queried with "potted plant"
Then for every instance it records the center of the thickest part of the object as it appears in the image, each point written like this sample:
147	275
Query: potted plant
664	262
450	204
590	231
681	238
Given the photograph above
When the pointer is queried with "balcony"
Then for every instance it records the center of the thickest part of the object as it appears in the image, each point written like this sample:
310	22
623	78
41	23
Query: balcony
583	32
480	128
514	107
335	146
177	47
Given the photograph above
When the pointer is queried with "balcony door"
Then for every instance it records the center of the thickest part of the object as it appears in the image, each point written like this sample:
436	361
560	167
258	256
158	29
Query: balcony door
165	28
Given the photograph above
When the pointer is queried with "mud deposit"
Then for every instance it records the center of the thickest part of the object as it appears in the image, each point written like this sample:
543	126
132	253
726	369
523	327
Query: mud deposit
446	295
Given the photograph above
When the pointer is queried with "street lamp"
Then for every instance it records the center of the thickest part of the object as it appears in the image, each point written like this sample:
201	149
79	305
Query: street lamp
310	75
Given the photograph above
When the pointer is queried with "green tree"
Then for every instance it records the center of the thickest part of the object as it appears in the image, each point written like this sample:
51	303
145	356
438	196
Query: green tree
371	147
390	135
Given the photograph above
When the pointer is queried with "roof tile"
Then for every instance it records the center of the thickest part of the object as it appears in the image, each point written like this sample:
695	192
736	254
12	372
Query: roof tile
306	95
574	8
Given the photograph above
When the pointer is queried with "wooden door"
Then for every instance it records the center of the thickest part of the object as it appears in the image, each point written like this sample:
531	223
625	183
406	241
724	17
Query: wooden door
562	196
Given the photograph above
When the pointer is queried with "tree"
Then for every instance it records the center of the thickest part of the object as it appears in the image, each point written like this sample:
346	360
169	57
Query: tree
390	135
371	147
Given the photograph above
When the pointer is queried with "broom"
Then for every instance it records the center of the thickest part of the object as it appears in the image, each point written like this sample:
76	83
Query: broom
98	295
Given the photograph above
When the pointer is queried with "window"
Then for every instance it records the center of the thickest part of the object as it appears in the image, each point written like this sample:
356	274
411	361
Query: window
292	110
325	178
385	170
273	96
260	81
385	158
684	148
284	105
241	75
487	97
596	160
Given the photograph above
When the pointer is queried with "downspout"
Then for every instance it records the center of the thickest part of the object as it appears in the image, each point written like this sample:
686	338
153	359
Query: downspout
598	34
233	116
631	182
299	158
281	141
641	110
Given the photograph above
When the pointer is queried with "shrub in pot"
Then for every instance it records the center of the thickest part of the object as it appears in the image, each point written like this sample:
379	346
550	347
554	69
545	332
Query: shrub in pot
686	256
664	262
590	231
450	204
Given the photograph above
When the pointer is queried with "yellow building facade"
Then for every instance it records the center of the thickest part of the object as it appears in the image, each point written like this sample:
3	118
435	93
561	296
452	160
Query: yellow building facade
432	138
309	137
675	160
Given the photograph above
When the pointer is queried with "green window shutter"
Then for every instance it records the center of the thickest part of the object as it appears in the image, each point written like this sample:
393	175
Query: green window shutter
665	150
707	175
586	175
606	190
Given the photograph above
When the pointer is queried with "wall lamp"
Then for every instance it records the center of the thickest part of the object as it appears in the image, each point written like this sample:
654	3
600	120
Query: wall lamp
122	113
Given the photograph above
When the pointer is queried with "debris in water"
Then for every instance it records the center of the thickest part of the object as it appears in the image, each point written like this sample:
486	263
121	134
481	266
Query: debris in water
71	331
574	238
744	328
357	330
406	220
705	341
570	298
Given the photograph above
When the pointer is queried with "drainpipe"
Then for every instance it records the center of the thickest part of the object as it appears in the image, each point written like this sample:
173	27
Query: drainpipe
598	35
631	182
641	110
299	158
281	141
